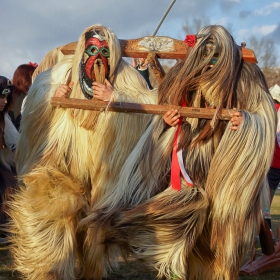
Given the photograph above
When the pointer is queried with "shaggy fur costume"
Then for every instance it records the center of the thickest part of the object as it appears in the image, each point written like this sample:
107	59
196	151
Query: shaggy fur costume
204	231
66	162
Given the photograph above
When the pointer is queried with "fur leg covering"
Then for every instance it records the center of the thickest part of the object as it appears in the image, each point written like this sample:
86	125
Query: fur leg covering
234	187
44	216
102	257
163	231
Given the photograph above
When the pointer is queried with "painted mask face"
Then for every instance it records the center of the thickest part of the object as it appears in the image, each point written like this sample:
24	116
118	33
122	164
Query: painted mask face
211	48
94	65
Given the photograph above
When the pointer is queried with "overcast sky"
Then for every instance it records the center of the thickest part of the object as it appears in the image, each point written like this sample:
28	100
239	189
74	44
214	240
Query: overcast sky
31	28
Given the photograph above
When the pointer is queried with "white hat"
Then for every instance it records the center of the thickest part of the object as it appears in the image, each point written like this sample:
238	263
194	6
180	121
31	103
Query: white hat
275	92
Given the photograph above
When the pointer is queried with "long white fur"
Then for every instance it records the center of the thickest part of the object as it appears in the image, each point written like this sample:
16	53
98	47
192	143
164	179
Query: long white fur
66	166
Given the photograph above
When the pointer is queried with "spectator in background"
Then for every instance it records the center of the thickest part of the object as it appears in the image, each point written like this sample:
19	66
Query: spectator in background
141	65
22	81
273	175
8	141
269	257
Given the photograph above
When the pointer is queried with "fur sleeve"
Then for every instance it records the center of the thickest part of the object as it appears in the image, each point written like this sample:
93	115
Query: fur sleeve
37	115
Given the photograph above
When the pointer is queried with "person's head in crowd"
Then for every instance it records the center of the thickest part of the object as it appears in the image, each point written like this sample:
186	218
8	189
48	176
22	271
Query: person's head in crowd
6	91
22	81
275	93
22	78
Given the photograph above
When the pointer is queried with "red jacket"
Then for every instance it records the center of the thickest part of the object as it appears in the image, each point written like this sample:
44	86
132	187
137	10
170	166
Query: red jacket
276	157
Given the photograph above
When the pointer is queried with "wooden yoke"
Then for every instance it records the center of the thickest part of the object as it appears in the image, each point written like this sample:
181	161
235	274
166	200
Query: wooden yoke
161	46
152	48
155	47
124	107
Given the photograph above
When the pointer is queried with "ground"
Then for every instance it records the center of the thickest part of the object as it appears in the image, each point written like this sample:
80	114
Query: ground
135	270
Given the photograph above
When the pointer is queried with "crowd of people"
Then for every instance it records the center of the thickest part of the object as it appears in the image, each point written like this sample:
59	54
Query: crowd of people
171	190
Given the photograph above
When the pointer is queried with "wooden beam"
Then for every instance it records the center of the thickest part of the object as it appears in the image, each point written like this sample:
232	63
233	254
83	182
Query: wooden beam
164	47
123	107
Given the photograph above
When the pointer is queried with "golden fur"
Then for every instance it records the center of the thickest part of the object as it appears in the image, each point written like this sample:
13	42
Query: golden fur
67	161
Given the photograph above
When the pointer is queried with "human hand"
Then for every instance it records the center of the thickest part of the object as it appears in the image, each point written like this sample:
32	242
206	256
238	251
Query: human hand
63	90
134	62
236	119
102	92
171	117
143	63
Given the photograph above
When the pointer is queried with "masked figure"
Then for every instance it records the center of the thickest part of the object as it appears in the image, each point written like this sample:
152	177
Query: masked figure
195	214
69	159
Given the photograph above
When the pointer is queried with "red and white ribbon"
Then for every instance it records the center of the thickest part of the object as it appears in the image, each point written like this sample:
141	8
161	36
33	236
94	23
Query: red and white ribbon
177	166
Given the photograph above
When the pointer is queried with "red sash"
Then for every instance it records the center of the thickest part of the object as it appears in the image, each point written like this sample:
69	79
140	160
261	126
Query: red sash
177	166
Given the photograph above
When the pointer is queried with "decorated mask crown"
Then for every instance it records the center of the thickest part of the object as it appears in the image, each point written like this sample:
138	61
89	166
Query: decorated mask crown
6	86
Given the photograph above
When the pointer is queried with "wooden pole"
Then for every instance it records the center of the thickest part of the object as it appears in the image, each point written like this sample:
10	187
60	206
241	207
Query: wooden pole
123	107
163	18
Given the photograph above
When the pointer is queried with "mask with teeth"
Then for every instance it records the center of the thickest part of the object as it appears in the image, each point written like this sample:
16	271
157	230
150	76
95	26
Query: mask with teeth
94	65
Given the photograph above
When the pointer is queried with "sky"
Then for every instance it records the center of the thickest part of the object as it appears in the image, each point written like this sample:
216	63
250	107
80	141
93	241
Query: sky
31	28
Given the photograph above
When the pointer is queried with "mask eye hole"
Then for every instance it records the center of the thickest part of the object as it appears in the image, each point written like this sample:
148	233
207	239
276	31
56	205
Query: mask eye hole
214	60
92	50
105	52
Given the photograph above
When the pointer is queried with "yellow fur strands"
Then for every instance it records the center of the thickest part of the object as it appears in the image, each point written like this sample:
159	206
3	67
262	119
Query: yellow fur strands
227	167
46	213
89	148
